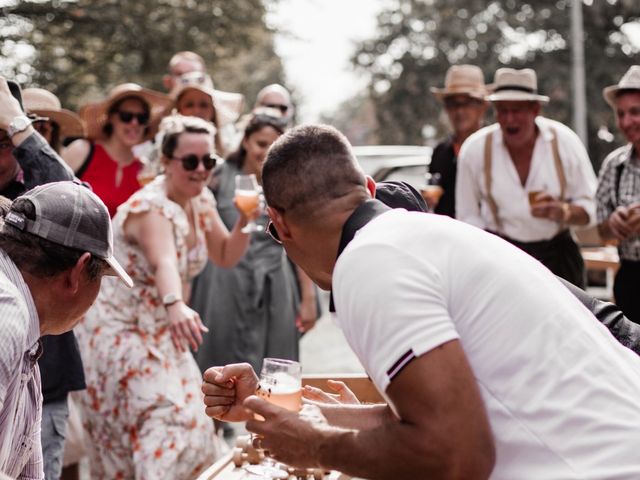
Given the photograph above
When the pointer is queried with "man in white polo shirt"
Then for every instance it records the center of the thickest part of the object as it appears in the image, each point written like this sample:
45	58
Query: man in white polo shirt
527	178
490	366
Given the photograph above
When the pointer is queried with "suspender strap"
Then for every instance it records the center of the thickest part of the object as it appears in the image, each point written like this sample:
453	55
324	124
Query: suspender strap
488	151
488	144
562	179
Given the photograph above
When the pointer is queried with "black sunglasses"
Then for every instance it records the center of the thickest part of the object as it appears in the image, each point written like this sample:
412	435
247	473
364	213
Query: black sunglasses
190	162
273	233
127	117
281	107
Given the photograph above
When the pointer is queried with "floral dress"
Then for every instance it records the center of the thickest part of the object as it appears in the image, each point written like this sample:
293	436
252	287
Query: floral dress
143	407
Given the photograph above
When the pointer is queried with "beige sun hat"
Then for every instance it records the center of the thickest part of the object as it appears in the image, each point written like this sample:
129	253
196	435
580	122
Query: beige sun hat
462	80
516	85
629	81
45	104
95	115
227	105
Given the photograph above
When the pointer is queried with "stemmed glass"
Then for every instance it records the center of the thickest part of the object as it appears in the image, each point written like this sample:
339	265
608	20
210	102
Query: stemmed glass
248	199
280	384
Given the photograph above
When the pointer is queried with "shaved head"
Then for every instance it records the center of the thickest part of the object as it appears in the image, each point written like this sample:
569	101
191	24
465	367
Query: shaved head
308	169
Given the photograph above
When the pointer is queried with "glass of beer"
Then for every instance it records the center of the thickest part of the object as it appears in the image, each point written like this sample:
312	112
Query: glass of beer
280	384
432	190
248	199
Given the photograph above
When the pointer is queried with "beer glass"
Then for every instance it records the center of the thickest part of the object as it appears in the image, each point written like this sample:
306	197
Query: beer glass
247	197
280	384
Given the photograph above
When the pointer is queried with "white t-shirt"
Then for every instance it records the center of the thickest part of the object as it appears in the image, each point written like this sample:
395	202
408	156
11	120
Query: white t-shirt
507	190
562	395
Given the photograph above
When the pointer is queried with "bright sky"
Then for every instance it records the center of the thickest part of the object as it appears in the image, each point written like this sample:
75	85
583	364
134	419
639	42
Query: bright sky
316	52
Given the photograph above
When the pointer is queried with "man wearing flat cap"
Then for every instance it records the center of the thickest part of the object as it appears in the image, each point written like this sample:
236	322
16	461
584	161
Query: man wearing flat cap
463	99
618	194
527	178
55	245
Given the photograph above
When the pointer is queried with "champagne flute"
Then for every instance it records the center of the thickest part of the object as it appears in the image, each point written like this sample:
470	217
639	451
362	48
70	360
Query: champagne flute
280	384
248	199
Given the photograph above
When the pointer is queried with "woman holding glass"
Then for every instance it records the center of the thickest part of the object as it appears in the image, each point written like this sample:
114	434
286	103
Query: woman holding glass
258	310
143	405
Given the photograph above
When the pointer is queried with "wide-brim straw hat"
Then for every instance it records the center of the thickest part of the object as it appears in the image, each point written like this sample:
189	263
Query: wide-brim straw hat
45	104
629	81
95	115
227	105
462	80
516	86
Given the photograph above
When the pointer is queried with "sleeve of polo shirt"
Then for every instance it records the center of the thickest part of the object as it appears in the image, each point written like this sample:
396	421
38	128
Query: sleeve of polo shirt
12	340
605	195
391	307
468	195
581	180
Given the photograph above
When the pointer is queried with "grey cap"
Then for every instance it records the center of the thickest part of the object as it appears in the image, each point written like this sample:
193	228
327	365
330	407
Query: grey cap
69	214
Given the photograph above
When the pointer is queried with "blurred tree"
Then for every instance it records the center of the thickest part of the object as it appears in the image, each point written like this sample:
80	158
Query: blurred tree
418	40
80	48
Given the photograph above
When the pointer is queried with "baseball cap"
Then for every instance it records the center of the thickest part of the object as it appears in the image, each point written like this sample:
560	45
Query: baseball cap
69	214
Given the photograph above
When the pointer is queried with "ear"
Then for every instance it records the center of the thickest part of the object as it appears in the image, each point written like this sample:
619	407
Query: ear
284	232
74	277
371	186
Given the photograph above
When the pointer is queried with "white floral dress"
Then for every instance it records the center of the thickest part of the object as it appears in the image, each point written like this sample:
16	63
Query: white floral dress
143	405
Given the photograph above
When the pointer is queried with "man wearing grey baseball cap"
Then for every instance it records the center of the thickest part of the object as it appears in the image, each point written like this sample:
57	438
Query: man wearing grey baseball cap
56	244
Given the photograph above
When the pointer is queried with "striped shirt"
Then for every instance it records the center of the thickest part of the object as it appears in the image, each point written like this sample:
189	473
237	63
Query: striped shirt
619	184
20	390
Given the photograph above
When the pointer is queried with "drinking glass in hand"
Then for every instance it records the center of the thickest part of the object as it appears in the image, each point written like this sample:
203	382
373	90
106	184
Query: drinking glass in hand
248	199
280	384
432	191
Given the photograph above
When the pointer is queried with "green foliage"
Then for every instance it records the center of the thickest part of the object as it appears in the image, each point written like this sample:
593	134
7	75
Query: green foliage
418	40
84	47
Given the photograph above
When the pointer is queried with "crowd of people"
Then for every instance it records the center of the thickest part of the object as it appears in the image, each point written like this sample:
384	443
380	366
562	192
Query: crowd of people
491	358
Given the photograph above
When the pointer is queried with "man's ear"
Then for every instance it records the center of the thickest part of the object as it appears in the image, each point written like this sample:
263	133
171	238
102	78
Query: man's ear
74	277
371	186
167	81
284	232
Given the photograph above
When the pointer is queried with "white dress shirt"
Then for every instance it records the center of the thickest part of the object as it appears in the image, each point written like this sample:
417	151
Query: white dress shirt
508	192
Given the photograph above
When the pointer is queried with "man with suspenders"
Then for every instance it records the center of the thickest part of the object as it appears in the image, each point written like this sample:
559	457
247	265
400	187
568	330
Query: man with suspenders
527	178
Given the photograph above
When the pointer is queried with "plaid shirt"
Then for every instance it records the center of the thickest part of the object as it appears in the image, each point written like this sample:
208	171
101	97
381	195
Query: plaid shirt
619	184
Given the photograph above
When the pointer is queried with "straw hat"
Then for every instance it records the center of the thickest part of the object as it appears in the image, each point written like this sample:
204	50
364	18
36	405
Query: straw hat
95	115
629	81
46	104
228	105
462	80
516	85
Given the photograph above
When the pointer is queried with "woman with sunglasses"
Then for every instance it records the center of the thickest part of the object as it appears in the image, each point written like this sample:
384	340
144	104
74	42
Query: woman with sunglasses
143	406
255	308
114	126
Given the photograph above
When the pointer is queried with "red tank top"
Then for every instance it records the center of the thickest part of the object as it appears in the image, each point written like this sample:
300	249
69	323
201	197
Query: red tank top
101	175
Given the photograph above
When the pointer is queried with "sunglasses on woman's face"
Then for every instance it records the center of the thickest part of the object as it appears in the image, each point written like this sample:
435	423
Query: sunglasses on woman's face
273	233
127	117
190	162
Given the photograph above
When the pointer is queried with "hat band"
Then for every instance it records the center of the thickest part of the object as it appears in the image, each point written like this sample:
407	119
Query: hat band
519	88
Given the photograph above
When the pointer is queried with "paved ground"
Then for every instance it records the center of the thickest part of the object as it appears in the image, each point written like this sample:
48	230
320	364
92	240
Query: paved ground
324	348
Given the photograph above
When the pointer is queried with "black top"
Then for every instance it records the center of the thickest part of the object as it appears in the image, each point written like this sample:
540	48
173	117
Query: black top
60	364
444	162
